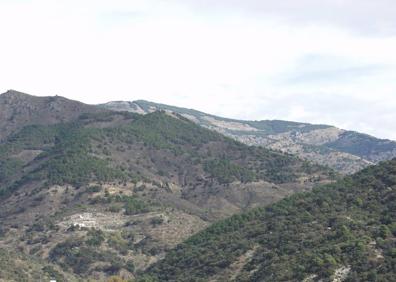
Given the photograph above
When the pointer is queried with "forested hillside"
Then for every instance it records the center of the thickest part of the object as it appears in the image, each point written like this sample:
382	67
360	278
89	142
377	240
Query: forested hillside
343	150
111	193
340	232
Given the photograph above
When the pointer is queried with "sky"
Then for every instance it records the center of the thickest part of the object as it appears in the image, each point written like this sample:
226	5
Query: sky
328	61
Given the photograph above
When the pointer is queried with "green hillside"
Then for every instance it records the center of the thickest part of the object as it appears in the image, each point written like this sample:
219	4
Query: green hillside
69	157
363	145
347	229
112	192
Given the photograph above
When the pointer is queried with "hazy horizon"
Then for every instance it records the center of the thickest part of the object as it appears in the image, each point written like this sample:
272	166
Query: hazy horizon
331	62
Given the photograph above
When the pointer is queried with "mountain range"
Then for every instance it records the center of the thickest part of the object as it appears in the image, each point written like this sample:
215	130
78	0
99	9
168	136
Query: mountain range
155	194
343	150
85	185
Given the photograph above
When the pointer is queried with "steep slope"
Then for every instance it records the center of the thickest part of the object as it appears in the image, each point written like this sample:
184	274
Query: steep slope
112	192
341	232
19	109
345	151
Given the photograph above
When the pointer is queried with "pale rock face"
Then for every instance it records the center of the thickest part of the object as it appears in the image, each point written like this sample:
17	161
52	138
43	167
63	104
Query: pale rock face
125	106
191	117
314	137
310	278
237	126
341	274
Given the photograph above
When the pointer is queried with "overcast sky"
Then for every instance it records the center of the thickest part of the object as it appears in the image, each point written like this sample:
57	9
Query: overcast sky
324	61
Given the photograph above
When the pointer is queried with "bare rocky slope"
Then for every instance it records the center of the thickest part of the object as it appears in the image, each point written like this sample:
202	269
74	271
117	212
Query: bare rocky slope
87	195
342	150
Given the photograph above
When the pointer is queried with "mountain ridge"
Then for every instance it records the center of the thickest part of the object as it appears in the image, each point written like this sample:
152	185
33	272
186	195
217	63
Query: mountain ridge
18	109
343	150
87	192
111	192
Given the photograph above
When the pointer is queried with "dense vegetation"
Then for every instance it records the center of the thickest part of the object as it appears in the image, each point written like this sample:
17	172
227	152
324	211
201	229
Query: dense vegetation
161	130
68	156
78	255
72	163
349	224
8	167
362	145
64	159
227	172
132	205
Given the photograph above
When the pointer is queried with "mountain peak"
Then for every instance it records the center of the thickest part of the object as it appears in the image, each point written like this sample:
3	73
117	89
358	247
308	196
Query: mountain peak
18	109
14	94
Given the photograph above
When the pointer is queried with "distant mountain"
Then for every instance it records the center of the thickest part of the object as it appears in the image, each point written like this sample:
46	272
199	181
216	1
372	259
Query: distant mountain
345	151
18	109
341	232
93	194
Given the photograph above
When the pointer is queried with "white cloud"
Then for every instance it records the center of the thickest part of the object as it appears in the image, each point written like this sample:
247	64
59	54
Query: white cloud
363	16
229	60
